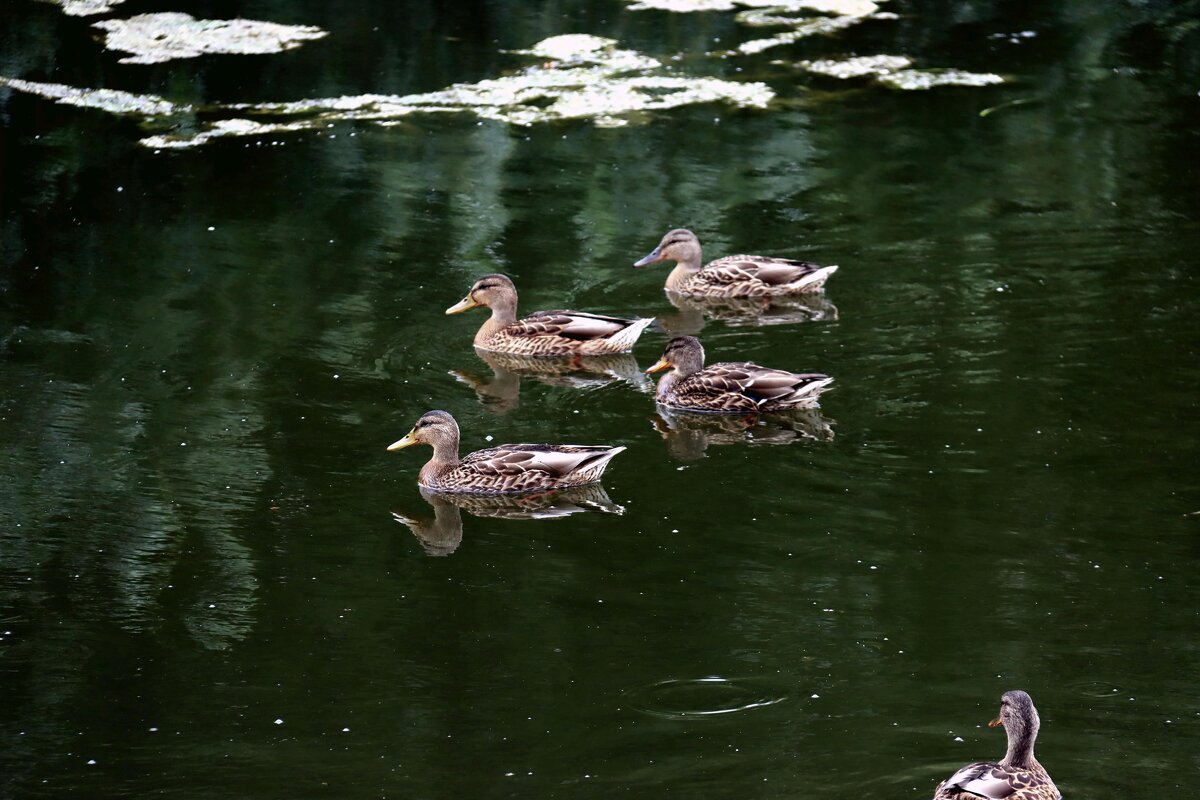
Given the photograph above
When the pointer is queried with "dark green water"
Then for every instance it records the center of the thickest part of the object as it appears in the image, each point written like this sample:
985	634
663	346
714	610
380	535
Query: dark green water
203	590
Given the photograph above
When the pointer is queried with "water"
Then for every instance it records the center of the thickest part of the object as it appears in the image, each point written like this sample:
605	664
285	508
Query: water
204	591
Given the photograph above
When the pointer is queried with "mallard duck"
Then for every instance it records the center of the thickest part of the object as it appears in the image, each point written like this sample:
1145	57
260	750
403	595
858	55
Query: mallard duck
732	276
544	333
1018	776
730	387
507	469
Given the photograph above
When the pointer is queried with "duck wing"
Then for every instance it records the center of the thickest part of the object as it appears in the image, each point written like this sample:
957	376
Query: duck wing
771	271
717	388
744	387
996	782
756	388
567	333
549	460
578	325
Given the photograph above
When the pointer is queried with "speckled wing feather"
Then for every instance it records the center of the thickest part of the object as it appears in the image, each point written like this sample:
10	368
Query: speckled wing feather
995	782
559	333
773	271
757	276
511	459
747	387
528	467
713	390
571	324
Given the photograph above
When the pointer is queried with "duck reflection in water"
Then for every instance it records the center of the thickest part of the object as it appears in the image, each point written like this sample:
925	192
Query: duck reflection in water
442	535
502	393
688	435
737	312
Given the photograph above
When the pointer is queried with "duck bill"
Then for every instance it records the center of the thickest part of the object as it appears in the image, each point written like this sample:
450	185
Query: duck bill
996	723
654	257
466	304
407	441
659	366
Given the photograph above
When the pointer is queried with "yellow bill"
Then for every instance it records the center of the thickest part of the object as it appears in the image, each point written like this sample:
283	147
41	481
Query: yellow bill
466	304
659	365
407	441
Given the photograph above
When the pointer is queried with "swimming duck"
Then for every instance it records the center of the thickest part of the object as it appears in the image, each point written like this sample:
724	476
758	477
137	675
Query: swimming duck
1018	776
732	276
509	468
544	333
730	387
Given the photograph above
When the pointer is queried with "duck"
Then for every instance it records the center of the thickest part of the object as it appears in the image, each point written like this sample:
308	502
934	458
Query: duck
732	276
1017	776
507	469
730	387
544	333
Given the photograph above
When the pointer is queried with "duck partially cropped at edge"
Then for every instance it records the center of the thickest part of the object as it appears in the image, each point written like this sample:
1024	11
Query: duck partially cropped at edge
1018	776
544	333
732	276
509	468
730	387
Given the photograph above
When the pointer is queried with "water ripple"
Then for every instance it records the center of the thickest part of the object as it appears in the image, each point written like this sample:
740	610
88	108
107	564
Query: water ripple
702	697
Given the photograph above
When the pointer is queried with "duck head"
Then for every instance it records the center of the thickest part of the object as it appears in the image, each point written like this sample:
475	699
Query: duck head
435	428
491	291
684	354
679	245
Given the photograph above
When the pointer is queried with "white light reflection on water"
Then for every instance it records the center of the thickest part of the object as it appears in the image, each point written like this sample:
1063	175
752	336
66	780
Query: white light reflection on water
587	78
155	38
85	8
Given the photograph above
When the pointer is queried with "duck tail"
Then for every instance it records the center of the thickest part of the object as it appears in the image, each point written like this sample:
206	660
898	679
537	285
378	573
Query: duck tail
593	467
815	280
627	337
807	391
813	388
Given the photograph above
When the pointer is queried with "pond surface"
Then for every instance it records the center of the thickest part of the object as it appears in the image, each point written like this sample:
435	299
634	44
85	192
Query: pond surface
209	586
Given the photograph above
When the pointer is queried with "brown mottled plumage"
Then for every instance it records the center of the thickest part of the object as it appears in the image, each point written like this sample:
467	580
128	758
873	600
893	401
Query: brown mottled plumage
507	469
1018	776
732	276
730	387
544	333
